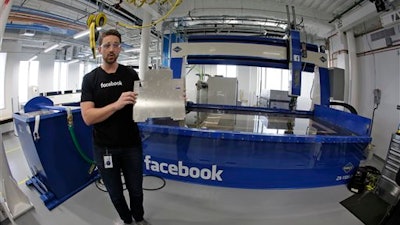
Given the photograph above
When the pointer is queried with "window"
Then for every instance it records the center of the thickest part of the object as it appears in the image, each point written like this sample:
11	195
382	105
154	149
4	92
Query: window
3	57
272	79
33	73
278	79
227	70
81	73
84	68
60	76
27	78
63	77
57	66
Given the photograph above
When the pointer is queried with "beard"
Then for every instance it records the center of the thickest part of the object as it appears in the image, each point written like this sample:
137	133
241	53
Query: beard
110	58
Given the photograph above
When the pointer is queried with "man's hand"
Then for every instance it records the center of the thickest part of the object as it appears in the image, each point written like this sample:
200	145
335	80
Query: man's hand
126	98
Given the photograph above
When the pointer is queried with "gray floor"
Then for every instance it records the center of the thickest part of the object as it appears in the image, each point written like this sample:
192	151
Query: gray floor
184	203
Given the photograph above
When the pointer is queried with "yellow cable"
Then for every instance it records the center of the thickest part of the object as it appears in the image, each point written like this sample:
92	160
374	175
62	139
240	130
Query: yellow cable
100	19
90	19
177	3
151	2
141	3
164	1
92	38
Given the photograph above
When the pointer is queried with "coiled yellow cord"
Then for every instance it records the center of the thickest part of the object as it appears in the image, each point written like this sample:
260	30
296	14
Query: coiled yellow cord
94	21
92	39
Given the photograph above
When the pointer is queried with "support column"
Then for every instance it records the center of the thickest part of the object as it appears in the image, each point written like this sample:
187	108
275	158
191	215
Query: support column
4	12
144	46
353	68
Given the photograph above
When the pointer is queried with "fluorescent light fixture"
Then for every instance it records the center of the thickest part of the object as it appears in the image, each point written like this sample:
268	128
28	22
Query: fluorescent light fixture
129	62
132	50
84	33
232	21
283	26
81	34
29	33
73	61
33	58
51	48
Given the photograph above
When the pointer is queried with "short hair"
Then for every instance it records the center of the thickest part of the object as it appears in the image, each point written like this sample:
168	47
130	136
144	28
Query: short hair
108	33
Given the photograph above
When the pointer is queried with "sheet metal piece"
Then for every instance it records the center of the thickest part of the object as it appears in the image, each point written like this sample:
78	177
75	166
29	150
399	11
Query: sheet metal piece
159	96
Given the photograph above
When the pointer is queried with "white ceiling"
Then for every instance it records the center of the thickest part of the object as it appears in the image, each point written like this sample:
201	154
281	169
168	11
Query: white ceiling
55	21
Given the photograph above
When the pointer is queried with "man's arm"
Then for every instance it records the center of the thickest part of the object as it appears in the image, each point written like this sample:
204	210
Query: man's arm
92	115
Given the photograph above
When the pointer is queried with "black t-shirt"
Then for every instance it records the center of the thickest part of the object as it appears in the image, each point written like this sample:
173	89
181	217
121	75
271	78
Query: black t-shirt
119	130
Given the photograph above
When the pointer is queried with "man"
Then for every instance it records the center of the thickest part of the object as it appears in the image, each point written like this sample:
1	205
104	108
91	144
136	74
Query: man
106	103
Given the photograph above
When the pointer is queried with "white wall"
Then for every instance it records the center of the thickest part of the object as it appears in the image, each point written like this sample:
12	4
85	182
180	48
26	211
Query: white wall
247	77
11	77
46	71
73	82
379	68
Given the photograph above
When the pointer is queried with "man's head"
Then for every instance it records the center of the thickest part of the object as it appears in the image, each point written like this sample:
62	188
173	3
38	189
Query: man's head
110	46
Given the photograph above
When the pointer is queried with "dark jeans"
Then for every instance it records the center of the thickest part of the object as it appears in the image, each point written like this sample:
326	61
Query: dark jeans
129	161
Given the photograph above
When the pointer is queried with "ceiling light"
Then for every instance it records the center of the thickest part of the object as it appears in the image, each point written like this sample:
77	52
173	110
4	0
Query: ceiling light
51	48
84	33
29	33
132	50
33	58
73	61
129	61
283	26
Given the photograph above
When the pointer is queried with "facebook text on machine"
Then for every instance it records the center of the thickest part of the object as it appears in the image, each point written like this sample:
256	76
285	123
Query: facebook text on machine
182	170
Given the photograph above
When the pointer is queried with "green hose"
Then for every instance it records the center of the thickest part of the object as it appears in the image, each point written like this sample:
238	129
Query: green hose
78	147
70	122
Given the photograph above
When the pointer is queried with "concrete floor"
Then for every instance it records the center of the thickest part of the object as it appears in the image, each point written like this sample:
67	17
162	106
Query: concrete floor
181	203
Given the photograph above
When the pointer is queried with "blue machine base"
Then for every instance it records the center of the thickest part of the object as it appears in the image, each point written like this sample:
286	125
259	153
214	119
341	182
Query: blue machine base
48	198
240	156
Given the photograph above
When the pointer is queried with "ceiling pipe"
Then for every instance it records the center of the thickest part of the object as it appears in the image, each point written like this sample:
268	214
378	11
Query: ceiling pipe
117	9
120	11
29	18
346	11
29	11
66	6
109	8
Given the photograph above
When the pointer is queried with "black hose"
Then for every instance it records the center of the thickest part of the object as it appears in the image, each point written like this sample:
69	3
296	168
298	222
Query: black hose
157	188
100	185
347	106
372	119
